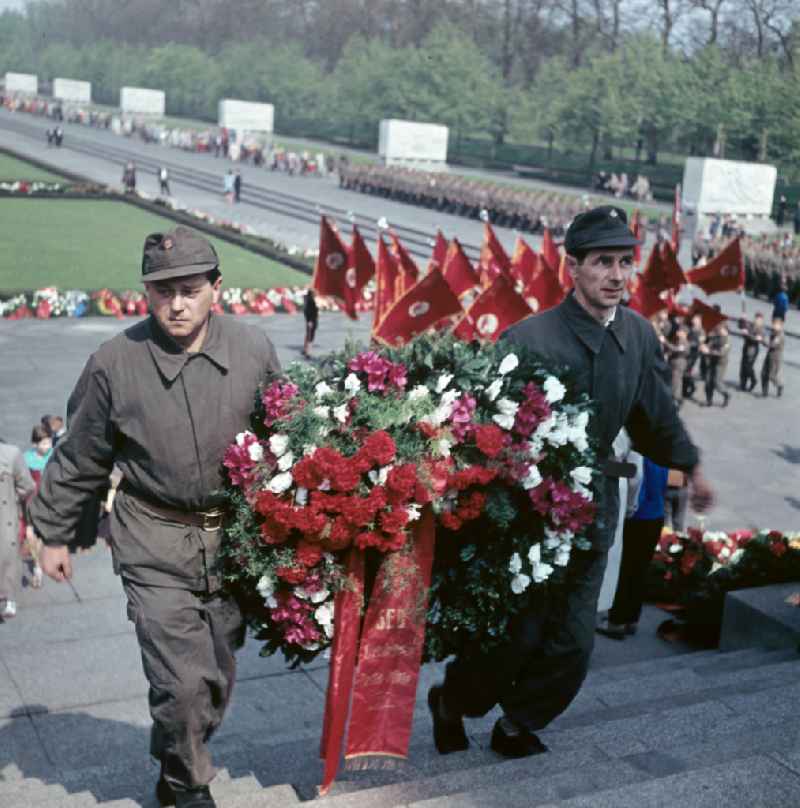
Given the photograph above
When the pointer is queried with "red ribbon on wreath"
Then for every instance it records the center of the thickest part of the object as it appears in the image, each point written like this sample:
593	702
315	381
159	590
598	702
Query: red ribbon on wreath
375	667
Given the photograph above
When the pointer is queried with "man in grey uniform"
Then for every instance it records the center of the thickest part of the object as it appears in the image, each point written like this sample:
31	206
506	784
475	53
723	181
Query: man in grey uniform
162	401
615	357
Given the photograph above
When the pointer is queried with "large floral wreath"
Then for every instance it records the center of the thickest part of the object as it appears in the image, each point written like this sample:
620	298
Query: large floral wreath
348	454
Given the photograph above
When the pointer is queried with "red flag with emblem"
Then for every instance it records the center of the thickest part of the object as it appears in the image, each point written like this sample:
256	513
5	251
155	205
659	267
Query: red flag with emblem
386	276
550	251
420	308
644	298
409	271
725	273
361	262
493	259
545	290
662	271
330	270
525	262
636	229
676	220
710	316
497	308
458	270
439	251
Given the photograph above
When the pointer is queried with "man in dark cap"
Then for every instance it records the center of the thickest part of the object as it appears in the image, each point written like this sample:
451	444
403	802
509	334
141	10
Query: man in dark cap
616	359
162	401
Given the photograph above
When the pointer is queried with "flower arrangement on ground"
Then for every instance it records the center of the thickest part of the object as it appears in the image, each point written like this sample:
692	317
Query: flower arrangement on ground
694	570
350	455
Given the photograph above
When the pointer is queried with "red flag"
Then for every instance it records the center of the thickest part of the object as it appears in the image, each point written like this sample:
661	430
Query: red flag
361	267
708	314
458	270
662	270
636	229
493	259
545	290
564	276
676	220
525	263
439	251
418	309
497	308
386	281
330	270
644	298
550	252
409	272
465	330
725	273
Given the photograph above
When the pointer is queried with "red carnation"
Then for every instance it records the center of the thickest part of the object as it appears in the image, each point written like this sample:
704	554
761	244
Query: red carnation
688	562
380	448
309	555
292	575
450	521
777	548
489	439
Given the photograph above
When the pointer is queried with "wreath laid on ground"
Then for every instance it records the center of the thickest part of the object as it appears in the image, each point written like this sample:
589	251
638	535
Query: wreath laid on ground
348	456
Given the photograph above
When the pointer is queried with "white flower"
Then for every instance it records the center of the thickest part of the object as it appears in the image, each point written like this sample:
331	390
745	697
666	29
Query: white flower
493	390
379	477
562	555
675	548
553	389
585	492
442	446
508	364
241	437
278	444
301	497
322	390
322	412
519	583
552	539
443	381
352	384
325	485
265	586
418	392
256	452
413	512
532	478
285	461
581	475
507	412
734	559
541	572
309	449
535	554
324	616
515	564
724	552
315	595
559	432
280	482
340	413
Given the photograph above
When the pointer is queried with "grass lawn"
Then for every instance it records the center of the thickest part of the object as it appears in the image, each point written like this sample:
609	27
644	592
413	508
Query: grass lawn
12	169
90	244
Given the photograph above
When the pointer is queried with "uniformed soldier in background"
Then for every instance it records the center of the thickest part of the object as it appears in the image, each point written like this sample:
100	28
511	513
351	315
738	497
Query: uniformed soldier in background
716	350
162	401
771	369
753	338
615	358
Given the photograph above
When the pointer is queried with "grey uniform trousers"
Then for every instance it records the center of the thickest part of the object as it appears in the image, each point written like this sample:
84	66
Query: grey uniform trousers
541	669
188	642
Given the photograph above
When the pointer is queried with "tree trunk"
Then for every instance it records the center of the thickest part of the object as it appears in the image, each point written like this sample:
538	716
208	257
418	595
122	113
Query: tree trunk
593	154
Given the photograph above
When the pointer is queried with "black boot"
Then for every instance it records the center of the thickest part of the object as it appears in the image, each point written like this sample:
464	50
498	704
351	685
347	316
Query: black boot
195	798
448	732
512	741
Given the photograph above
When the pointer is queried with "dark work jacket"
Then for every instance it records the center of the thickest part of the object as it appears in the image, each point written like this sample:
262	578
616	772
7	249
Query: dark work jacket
165	417
621	367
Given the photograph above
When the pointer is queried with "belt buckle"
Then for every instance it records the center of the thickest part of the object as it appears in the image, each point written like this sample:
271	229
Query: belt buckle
212	520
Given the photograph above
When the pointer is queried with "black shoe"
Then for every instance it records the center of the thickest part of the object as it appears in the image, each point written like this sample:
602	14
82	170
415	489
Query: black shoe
195	798
520	744
616	631
164	793
448	735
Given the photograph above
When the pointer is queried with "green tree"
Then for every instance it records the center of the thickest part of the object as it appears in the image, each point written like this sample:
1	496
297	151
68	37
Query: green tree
188	76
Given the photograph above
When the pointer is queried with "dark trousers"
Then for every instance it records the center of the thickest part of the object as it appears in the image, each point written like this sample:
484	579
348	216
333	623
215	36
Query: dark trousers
747	373
536	676
676	503
639	539
188	642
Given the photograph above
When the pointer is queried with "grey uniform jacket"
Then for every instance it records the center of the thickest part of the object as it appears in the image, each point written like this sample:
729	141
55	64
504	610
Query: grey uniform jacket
621	367
165	417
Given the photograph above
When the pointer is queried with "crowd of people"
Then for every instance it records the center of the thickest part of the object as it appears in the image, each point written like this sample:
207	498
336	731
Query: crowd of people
505	205
621	187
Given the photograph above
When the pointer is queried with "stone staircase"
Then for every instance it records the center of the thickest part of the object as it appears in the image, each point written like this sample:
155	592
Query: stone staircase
693	730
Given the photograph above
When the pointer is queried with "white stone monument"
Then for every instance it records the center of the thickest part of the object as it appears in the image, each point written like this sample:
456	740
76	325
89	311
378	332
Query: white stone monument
417	145
22	84
246	116
728	187
72	91
142	101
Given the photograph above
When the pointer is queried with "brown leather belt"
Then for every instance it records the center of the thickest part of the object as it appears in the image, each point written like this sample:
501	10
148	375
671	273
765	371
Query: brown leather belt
209	521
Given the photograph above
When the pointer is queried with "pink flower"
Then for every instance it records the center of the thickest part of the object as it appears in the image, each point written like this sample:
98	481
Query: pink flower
238	459
381	373
566	509
461	417
276	398
532	411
